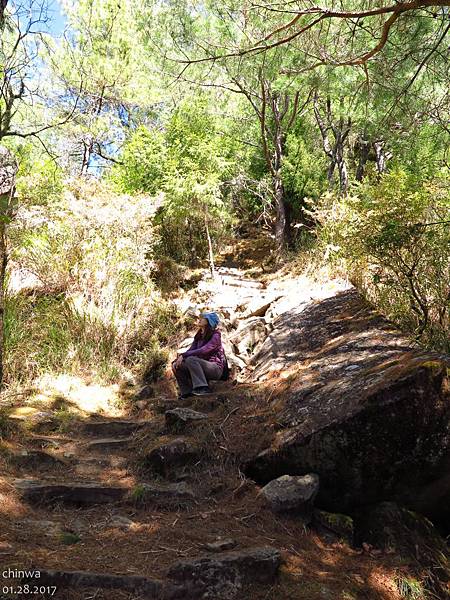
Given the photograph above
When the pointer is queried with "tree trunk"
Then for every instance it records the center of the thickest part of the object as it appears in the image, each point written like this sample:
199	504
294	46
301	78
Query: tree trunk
3	262
363	152
381	157
210	249
3	4
342	168
8	170
281	223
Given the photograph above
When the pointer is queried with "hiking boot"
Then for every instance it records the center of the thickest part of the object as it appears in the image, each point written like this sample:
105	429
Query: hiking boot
202	391
184	396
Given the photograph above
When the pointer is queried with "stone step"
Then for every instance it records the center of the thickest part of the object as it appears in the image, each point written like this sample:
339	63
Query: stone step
246	283
108	444
111	428
142	586
29	458
165	495
45	441
38	491
91	467
219	577
224	574
165	457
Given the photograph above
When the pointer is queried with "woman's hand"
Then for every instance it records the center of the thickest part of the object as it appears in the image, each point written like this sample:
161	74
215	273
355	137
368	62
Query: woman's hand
178	361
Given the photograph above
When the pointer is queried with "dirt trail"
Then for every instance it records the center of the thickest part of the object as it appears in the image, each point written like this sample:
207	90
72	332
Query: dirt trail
129	497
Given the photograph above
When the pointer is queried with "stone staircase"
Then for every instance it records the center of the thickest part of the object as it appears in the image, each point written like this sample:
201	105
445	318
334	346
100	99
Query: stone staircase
97	464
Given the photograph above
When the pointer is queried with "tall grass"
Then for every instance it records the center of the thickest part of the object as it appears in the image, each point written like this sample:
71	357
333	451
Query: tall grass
82	297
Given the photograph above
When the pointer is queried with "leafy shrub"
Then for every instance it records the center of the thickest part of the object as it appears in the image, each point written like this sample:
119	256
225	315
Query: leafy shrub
142	162
394	237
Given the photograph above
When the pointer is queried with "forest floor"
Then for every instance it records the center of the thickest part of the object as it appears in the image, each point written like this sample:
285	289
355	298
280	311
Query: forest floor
77	434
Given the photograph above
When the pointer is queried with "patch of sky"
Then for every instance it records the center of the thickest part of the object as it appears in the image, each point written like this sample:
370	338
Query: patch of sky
57	19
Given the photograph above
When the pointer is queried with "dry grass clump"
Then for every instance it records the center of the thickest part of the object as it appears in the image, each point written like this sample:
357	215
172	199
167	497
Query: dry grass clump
81	295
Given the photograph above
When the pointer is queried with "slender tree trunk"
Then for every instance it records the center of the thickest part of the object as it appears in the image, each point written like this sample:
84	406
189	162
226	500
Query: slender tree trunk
8	170
3	261
3	4
210	249
342	168
281	222
363	152
335	151
381	157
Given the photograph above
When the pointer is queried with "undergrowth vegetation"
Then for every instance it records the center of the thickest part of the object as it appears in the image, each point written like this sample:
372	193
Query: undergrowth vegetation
82	297
392	237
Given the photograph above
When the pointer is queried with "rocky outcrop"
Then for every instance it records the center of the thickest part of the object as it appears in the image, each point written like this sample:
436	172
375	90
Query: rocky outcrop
361	408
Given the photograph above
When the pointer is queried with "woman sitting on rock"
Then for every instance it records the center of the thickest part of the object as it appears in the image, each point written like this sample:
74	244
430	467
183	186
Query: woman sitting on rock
203	361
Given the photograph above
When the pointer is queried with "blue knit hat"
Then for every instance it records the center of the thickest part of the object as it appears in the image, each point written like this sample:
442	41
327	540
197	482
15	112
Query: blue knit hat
212	318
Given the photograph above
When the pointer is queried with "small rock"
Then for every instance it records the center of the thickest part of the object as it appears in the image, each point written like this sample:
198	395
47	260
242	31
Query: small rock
78	526
292	493
141	404
122	522
221	545
47	528
176	453
178	419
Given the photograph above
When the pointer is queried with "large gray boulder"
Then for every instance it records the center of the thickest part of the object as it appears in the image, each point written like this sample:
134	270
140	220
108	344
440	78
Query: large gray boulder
292	493
360	407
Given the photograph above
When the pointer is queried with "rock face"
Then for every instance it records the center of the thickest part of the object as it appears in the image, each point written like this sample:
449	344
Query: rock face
289	493
361	408
390	527
222	576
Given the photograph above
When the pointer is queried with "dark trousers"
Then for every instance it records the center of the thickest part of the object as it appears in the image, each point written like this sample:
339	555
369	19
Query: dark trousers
195	372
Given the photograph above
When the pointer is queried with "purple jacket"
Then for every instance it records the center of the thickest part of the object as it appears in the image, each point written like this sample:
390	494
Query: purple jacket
211	351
